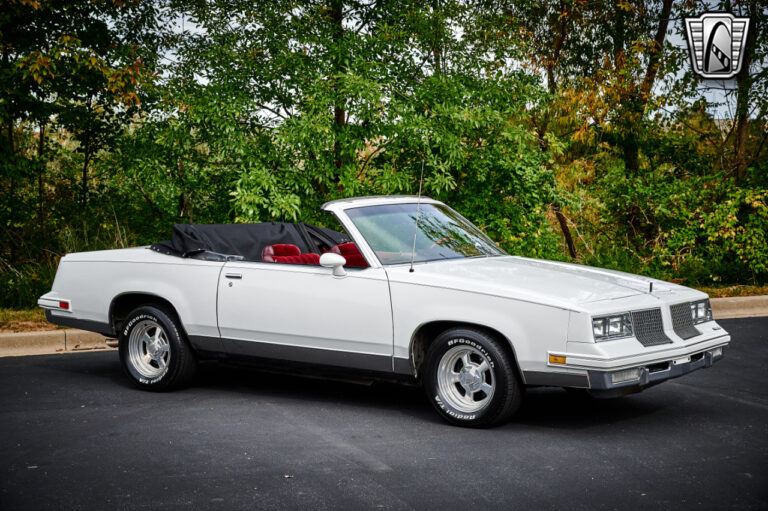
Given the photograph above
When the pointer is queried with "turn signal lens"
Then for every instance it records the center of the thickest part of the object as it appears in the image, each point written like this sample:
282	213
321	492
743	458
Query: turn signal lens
556	359
64	305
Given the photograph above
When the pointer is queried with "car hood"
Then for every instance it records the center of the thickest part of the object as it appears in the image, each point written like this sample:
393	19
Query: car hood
549	282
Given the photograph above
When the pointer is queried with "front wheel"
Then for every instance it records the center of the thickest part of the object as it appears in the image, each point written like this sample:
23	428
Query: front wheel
153	350
471	379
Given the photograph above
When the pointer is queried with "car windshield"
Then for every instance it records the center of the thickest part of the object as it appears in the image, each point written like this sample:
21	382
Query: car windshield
441	233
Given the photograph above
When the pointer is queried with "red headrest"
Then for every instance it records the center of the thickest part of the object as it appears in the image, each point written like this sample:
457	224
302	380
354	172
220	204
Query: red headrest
352	254
280	250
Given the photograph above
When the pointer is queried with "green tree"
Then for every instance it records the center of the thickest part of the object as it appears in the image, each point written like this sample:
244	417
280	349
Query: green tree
313	101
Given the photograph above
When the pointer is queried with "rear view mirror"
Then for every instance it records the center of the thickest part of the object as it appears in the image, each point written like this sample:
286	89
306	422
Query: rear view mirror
335	261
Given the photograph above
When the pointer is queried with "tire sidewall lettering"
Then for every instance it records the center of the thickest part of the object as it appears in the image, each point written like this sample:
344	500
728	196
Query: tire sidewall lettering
442	405
136	319
453	413
126	331
145	315
479	347
147	381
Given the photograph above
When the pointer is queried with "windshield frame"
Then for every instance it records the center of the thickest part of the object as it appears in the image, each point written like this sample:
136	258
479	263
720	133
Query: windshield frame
426	203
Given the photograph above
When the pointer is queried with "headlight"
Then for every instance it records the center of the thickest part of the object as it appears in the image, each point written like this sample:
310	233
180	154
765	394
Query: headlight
701	311
615	326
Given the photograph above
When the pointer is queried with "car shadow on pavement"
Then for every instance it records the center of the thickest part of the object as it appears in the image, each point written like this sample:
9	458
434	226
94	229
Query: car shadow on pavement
554	407
542	406
326	388
102	364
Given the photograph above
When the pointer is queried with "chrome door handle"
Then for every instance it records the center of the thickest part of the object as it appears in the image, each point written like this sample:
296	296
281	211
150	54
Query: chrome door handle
234	275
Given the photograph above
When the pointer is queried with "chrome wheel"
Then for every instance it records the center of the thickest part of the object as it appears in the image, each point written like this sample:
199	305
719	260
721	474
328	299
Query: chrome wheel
465	379
148	349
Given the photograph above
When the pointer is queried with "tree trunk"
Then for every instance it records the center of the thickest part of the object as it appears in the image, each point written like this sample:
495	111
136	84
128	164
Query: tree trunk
557	48
159	214
87	152
566	230
743	87
185	206
638	102
559	212
631	154
437	51
339	114
562	35
10	136
40	194
84	179
655	55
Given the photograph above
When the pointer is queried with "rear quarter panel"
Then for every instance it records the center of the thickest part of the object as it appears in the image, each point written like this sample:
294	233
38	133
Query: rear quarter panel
93	280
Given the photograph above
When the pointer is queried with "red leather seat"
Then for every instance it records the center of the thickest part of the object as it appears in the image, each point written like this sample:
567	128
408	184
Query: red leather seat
298	259
287	254
271	251
352	254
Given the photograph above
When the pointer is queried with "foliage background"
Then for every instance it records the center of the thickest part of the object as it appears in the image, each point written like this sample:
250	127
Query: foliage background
568	129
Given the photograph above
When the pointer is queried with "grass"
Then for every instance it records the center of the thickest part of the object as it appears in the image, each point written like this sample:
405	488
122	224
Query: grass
24	320
728	291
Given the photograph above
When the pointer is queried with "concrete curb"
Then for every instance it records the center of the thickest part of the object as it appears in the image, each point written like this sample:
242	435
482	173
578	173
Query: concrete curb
54	341
71	340
740	307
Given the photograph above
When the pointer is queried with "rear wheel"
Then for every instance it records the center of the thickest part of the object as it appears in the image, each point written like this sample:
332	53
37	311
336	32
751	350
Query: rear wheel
153	350
471	379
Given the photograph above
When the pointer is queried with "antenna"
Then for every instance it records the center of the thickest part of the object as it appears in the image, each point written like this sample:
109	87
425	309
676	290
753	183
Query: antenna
418	215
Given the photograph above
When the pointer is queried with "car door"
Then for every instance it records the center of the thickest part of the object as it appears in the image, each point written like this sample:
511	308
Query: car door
303	313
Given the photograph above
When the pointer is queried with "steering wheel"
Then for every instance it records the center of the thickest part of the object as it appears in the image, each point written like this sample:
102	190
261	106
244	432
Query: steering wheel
440	241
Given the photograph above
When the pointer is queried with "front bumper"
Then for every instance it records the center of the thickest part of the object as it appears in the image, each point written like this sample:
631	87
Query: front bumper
651	374
616	368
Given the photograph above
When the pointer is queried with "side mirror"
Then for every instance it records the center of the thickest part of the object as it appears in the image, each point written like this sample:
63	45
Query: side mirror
335	261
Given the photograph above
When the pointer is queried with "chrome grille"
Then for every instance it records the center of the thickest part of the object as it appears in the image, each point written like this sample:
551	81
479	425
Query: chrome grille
682	321
648	327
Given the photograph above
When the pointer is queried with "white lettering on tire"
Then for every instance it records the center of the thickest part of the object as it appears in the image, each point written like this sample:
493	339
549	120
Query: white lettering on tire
127	329
449	411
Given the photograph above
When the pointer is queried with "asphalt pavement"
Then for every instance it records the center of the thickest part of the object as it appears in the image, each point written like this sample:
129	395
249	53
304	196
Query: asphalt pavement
75	435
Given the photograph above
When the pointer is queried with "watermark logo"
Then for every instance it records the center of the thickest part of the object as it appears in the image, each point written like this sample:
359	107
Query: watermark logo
716	42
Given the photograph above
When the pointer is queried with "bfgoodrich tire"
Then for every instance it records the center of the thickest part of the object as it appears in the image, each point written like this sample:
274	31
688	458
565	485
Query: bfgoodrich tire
153	350
471	379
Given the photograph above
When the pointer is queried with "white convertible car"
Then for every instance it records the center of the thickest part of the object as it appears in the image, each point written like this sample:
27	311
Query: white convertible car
405	288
